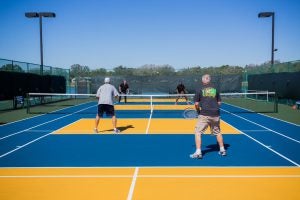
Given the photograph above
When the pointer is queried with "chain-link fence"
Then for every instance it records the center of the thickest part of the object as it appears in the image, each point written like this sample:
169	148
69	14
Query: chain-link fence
168	84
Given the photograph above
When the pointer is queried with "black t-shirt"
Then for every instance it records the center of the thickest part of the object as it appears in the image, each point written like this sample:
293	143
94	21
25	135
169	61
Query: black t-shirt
124	87
180	88
208	98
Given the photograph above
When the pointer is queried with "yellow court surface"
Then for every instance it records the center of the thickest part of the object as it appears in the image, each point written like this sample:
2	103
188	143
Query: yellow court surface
156	107
150	183
140	126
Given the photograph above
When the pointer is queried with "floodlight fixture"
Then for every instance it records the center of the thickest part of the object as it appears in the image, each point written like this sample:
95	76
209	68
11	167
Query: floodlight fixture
270	14
40	15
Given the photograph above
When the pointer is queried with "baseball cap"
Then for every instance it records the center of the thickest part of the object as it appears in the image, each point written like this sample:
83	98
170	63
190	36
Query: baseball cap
106	80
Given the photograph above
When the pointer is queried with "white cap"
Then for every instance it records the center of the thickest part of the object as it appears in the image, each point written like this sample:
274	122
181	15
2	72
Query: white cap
106	80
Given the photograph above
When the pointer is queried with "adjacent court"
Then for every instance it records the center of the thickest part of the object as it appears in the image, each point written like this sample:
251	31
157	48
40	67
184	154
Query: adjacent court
56	155
140	126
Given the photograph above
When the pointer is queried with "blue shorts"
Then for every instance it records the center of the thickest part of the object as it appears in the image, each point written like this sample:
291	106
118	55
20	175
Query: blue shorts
109	110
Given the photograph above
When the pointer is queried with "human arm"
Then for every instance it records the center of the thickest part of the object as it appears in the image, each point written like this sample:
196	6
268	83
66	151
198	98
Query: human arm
115	93
197	99
98	94
219	101
127	89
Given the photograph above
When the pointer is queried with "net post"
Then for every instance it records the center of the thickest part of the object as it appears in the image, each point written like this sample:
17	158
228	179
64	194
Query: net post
27	103
151	103
275	103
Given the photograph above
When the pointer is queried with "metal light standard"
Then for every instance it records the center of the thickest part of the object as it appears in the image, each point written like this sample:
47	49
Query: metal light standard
270	14
40	15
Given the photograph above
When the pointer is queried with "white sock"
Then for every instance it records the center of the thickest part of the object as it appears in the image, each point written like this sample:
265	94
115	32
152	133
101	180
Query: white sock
222	149
198	151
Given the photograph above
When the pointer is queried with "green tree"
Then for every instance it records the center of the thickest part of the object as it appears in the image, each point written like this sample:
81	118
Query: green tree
154	70
120	70
79	71
98	72
10	67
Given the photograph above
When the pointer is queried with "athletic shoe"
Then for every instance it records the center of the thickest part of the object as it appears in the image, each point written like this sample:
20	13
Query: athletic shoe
116	131
222	153
96	130
196	156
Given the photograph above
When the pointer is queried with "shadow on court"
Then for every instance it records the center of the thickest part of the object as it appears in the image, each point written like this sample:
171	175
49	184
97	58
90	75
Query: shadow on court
213	148
121	128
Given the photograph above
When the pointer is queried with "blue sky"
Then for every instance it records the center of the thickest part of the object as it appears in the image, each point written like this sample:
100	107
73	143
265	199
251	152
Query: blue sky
181	33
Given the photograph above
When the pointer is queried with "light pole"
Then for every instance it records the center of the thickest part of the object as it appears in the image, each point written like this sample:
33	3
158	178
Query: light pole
40	15
270	14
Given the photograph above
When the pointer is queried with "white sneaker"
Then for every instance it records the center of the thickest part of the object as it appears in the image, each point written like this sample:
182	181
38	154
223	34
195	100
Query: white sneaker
116	131
222	153
196	156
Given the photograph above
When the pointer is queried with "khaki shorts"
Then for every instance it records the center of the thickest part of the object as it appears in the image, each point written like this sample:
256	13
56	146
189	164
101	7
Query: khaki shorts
205	121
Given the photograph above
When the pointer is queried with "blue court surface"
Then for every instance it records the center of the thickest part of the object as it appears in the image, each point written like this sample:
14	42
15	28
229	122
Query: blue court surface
58	156
263	141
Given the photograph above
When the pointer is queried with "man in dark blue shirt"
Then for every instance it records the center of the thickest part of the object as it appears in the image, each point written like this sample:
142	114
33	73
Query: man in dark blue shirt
209	115
123	89
181	91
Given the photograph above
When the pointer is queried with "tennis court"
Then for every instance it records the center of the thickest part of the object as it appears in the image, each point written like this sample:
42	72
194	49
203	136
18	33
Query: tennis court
56	155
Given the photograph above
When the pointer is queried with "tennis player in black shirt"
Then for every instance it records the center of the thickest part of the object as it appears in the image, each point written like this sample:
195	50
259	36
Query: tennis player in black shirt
123	89
181	91
209	115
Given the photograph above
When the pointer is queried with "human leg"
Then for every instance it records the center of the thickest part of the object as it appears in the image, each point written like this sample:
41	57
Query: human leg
96	123
215	126
200	128
114	123
98	116
110	111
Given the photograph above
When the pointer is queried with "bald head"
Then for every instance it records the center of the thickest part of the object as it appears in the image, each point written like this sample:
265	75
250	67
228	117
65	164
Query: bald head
206	79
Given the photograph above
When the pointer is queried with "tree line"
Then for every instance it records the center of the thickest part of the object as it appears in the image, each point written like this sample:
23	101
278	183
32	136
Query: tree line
151	70
77	70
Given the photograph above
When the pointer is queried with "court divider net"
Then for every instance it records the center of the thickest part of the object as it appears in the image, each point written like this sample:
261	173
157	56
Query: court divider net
40	103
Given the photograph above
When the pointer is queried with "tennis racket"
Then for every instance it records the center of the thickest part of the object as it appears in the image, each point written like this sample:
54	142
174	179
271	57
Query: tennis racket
190	113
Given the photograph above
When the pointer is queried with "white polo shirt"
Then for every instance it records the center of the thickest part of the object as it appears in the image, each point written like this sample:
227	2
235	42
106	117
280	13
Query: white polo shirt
106	94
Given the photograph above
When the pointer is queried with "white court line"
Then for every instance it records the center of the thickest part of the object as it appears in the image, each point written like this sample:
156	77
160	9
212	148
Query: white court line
24	145
151	176
149	120
255	130
263	127
43	123
21	120
279	154
40	131
279	119
132	186
158	167
20	147
286	158
264	115
67	125
40	115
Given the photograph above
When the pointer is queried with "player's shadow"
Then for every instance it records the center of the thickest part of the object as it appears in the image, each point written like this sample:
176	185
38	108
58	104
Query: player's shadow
213	148
121	128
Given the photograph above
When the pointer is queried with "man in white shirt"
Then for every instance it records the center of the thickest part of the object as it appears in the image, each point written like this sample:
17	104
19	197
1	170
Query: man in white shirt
106	94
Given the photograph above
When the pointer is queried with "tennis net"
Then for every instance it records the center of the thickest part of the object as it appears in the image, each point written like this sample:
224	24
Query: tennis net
260	102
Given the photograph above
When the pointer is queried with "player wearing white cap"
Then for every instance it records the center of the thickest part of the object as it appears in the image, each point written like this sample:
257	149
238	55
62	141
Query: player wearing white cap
106	94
